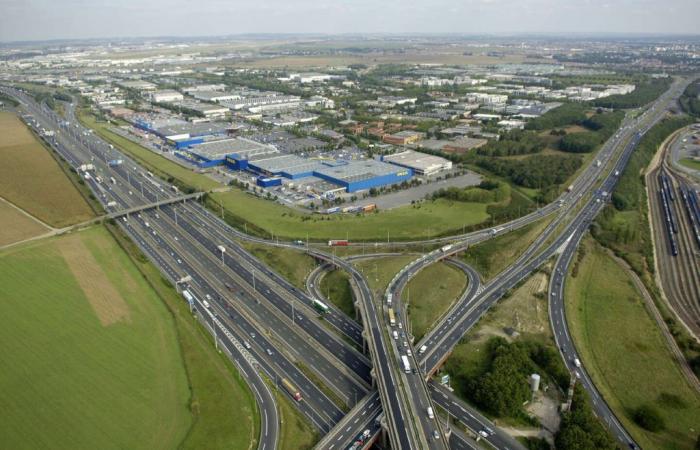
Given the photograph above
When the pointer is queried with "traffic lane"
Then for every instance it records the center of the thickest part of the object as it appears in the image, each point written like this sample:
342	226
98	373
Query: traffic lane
297	343
336	348
347	326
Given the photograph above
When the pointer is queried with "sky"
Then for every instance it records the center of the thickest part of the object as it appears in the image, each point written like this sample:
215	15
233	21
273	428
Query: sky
71	19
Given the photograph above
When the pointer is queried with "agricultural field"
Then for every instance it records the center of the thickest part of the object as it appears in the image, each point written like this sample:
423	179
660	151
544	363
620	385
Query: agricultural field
15	226
74	309
422	221
430	294
31	179
625	353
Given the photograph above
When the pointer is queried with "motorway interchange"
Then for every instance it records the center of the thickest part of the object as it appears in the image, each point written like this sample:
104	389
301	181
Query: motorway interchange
369	382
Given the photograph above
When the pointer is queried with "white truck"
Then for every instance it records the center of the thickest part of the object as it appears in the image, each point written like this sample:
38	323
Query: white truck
406	364
446	248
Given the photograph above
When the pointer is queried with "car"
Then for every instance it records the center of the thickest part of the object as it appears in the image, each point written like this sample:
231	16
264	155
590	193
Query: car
436	434
483	433
269	352
252	335
246	344
179	261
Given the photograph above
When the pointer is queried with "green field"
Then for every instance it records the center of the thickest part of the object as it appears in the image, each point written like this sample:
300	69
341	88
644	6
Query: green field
109	366
153	161
626	354
491	257
31	179
431	293
690	163
294	265
428	219
380	271
92	355
335	286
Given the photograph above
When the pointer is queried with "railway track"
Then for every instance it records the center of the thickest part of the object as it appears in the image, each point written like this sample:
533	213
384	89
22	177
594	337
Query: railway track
675	242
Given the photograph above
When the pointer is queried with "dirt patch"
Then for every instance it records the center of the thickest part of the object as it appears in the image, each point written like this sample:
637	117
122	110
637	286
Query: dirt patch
106	301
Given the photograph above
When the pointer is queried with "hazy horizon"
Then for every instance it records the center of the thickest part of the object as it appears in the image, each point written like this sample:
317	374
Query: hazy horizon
82	19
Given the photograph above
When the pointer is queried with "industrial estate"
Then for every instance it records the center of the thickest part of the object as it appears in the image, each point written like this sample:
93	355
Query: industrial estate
396	242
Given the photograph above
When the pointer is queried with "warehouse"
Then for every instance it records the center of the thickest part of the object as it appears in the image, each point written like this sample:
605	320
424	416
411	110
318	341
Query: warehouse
362	175
227	151
166	96
420	163
288	166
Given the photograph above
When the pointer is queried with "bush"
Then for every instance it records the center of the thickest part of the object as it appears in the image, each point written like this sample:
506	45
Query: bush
580	429
648	417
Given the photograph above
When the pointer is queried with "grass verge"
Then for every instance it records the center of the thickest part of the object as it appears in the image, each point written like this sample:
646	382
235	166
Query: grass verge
335	286
294	265
625	353
431	293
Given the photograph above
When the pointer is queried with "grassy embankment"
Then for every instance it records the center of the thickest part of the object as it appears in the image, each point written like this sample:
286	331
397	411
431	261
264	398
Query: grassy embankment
294	265
335	286
75	309
31	179
380	271
430	294
491	257
626	354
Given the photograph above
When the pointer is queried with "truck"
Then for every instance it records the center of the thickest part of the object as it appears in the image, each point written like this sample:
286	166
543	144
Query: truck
446	248
392	318
86	167
188	296
298	242
338	243
406	364
597	163
293	391
495	231
112	204
570	188
389	297
422	349
319	306
369	208
112	180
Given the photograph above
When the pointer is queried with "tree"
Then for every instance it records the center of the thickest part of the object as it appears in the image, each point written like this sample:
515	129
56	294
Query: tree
648	417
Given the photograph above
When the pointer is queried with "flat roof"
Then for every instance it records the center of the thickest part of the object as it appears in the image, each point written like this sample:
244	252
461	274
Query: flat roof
416	160
219	149
290	164
193	128
353	171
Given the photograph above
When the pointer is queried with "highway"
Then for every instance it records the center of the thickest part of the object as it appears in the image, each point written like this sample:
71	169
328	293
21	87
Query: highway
247	297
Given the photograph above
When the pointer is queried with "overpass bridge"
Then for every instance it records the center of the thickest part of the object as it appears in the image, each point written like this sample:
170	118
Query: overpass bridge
158	204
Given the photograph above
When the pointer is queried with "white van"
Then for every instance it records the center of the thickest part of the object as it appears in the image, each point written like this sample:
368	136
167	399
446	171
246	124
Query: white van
396	335
422	349
431	415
